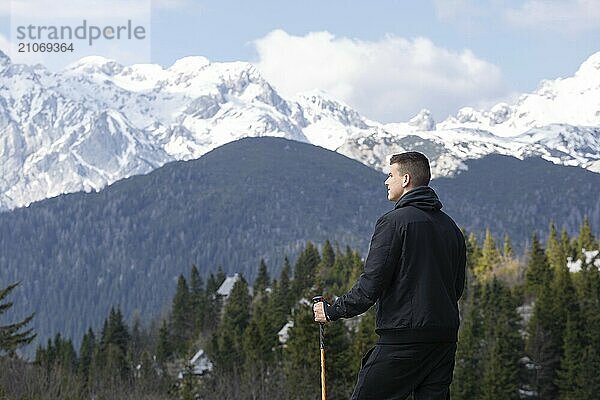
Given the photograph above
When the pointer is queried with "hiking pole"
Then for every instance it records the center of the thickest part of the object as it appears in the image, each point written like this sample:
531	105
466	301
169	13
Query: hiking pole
318	299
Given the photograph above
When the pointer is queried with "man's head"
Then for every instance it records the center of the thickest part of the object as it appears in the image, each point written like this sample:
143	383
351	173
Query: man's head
407	171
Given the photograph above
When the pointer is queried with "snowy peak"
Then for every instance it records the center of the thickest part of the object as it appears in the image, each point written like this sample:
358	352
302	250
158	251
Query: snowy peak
319	105
96	65
191	63
563	144
574	100
328	122
423	121
590	69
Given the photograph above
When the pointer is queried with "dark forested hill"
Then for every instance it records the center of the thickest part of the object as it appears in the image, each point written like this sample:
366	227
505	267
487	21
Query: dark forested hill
77	255
516	197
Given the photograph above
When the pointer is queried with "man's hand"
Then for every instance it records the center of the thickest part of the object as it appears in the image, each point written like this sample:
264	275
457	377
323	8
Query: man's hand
319	312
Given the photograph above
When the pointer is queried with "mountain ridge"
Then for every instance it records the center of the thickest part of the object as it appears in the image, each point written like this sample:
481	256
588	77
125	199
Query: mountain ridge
98	121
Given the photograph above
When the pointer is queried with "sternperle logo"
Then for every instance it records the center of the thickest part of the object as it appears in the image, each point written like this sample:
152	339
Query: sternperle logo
84	31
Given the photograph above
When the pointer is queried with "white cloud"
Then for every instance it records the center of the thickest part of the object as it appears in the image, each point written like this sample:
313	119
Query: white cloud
388	80
557	15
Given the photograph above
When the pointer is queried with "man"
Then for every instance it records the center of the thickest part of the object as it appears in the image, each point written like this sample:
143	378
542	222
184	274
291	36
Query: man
415	272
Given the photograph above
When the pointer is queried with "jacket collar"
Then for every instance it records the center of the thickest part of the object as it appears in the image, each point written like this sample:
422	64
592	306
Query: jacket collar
422	197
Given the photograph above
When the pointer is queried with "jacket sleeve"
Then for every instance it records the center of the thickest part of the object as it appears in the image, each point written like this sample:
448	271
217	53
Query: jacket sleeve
462	265
377	274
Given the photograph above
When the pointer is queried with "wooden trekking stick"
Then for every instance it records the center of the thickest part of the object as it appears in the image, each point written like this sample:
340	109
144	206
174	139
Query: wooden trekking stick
318	299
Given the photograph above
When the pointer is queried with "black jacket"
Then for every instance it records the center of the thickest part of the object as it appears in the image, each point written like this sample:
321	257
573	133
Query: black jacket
415	271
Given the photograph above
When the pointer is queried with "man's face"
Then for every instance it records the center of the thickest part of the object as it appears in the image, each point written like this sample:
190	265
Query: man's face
395	183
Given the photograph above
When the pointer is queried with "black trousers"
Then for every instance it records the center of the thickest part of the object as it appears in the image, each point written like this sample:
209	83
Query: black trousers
393	372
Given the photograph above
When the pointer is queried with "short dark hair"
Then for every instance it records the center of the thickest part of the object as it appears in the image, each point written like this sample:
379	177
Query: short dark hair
414	164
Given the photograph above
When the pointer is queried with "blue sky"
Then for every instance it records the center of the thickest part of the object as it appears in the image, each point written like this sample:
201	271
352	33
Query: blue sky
388	58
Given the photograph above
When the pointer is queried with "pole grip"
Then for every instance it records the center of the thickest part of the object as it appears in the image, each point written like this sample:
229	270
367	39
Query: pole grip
319	299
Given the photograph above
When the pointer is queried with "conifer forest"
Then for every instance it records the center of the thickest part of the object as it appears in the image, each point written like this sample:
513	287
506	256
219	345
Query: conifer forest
530	329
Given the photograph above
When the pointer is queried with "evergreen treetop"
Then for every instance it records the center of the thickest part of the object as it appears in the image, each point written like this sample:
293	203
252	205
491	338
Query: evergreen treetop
13	336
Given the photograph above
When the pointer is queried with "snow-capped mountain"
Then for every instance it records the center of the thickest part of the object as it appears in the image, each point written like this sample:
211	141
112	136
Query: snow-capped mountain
560	122
448	148
98	121
573	101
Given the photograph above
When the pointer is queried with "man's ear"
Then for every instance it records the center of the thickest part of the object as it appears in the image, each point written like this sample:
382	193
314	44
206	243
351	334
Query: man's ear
406	180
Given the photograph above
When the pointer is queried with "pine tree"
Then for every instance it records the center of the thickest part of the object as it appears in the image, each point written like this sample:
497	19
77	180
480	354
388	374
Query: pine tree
589	300
117	332
267	323
281	299
251	344
110	358
327	255
474	252
302	356
507	251
466	384
564	296
197	300
263	280
585	240
116	368
588	381
566	245
45	356
539	274
503	343
571	366
544	346
213	301
12	336
229	336
339	370
557	258
58	355
325	276
354	269
67	358
86	353
181	321
164	349
99	357
304	270
138	340
490	256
